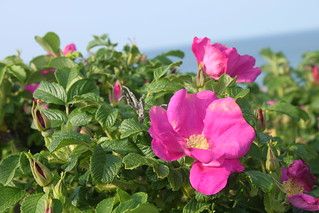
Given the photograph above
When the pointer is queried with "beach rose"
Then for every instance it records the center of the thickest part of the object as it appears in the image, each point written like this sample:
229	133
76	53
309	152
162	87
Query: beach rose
31	87
68	49
217	59
212	131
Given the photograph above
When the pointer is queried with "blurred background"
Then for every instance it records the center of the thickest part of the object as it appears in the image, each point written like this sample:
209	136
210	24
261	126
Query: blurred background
290	26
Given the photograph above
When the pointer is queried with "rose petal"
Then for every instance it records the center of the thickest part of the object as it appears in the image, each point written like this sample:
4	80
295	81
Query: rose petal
210	180
215	61
186	112
227	130
198	48
165	143
305	202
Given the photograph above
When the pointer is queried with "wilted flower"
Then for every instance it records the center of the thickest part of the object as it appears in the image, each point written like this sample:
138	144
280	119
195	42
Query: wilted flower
116	95
216	60
31	87
41	173
297	180
212	131
68	49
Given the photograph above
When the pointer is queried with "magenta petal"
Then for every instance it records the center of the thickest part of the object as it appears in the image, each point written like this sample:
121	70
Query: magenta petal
210	180
226	128
305	202
68	49
165	143
198	48
31	87
215	61
204	156
186	112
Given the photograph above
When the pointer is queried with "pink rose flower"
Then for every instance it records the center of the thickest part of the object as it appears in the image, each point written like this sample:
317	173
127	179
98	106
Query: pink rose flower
212	131
297	179
68	49
31	87
216	60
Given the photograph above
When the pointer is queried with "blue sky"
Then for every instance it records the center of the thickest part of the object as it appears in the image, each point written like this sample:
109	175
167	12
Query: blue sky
150	24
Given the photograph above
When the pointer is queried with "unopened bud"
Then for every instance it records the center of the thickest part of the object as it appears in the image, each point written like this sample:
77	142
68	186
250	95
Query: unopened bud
58	189
271	160
200	78
261	123
41	173
40	120
116	94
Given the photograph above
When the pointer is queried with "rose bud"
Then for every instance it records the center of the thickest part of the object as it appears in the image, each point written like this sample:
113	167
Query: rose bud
40	120
41	173
116	95
271	160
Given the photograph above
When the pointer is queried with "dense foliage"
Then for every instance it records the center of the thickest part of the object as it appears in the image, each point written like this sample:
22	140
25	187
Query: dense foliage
80	141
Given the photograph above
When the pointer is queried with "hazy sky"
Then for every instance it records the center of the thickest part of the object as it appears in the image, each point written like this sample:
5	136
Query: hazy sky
151	24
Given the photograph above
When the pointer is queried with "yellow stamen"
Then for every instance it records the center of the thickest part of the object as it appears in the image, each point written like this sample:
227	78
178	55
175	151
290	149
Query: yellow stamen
291	187
197	141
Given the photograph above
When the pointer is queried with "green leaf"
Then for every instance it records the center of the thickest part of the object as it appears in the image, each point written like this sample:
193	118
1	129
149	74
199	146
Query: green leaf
8	168
106	116
9	196
261	180
18	72
41	62
133	203
105	206
62	63
223	82
130	127
134	160
2	72
56	117
288	109
66	77
175	179
50	92
64	138
120	146
79	118
193	206
34	203
81	87
163	70
50	42
104	166
145	207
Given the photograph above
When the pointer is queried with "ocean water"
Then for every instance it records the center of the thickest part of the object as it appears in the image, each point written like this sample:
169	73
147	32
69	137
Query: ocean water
293	45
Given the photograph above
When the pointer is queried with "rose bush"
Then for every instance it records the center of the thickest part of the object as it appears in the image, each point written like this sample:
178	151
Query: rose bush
116	131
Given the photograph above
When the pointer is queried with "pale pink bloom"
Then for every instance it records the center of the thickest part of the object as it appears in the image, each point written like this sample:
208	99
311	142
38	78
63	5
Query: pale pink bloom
68	49
212	131
304	201
217	59
31	87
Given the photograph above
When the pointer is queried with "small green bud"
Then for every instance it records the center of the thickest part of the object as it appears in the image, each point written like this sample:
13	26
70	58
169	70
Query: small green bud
200	78
40	120
271	160
58	189
41	173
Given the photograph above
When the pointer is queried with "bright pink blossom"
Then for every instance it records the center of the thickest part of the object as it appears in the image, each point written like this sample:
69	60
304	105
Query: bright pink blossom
116	95
212	131
31	87
297	180
216	60
68	49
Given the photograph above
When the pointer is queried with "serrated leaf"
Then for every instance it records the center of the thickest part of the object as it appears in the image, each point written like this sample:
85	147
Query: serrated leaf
194	206
105	206
55	116
8	168
81	87
79	118
64	138
130	127
62	63
34	203
120	146
133	203
175	179
134	160
163	70
104	166
288	109
9	196
40	62
66	77
18	72
2	72
50	92
106	116
50	42
261	180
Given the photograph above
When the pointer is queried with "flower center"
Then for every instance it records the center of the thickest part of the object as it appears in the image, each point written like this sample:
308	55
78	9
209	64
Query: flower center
291	187
197	141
